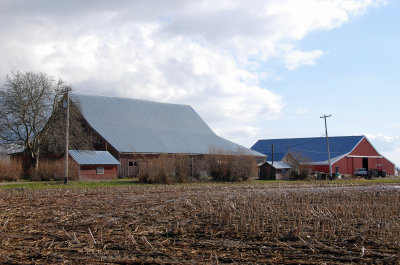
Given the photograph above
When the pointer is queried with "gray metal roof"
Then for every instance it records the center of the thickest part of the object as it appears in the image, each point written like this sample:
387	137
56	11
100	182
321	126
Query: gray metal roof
279	164
141	126
85	157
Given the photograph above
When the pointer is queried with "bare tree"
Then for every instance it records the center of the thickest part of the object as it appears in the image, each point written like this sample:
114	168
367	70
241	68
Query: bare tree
27	101
300	165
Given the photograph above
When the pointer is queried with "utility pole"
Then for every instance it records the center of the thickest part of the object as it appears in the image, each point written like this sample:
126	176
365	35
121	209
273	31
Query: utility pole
272	155
327	144
66	106
273	171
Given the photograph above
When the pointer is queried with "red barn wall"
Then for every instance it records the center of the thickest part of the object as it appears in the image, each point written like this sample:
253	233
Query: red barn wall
364	148
320	168
89	172
347	165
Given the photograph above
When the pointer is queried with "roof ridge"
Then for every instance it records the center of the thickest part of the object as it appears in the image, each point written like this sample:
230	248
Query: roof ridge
314	137
129	99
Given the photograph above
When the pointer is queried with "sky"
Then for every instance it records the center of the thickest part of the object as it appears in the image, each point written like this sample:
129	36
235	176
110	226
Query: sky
254	69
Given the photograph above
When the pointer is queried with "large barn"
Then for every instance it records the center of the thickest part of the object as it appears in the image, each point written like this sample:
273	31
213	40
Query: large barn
347	153
131	129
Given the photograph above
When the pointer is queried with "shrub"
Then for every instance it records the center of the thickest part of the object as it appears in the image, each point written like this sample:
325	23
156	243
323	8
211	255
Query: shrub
301	166
232	167
218	166
303	173
55	170
10	170
165	169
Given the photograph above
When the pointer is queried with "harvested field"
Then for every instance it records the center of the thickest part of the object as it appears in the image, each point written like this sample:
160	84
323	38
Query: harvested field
203	224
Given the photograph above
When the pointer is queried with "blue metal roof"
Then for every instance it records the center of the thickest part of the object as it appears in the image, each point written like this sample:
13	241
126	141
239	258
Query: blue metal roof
141	126
313	148
85	157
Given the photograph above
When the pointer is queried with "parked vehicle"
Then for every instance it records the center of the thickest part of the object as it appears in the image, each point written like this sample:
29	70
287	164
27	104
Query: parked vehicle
372	173
375	173
361	172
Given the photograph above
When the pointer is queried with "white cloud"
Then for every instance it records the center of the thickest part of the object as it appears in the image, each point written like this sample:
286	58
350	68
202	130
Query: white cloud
389	145
205	53
295	58
382	137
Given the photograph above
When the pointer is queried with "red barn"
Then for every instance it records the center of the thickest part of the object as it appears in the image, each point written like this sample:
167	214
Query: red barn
134	130
95	164
347	153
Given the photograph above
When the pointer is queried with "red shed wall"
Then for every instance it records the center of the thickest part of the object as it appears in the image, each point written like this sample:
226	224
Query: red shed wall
89	172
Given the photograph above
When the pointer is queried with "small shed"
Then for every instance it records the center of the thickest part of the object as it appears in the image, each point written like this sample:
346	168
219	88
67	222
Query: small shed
95	164
271	171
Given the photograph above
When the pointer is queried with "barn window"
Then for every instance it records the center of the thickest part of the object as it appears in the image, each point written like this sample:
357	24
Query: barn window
133	163
100	170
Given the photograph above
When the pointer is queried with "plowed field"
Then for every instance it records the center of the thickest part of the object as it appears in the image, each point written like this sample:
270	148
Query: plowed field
201	224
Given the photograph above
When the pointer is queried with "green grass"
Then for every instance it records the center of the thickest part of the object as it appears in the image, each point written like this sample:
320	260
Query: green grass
134	182
361	181
70	184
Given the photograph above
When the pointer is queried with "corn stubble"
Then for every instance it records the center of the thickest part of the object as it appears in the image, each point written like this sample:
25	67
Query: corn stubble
207	224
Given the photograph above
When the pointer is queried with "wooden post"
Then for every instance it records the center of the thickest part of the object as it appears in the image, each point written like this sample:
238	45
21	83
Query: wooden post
66	137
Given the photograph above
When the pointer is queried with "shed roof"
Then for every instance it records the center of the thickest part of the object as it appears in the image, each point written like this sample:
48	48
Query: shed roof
141	126
313	148
279	165
86	157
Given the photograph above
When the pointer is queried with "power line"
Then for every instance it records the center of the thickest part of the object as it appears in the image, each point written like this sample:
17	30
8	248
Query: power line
318	152
373	126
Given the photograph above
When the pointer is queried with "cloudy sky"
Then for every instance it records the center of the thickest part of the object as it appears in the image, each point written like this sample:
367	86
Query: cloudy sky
253	69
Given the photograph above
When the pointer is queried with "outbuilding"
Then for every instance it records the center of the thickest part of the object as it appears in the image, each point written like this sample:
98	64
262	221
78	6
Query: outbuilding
268	170
347	153
94	164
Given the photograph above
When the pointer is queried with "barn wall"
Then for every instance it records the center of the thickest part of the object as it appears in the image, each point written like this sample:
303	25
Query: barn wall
320	168
197	163
343	165
89	172
347	165
126	171
364	148
387	165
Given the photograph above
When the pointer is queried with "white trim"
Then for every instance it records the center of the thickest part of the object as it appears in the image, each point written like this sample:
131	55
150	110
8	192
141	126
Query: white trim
380	153
367	156
362	138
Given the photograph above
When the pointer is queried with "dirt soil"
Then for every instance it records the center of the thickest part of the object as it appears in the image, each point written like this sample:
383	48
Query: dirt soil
201	224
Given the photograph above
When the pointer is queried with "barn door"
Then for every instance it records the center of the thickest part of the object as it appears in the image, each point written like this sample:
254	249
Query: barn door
365	163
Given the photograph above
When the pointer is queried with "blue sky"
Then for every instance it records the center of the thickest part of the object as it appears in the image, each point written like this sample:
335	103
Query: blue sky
356	80
252	69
